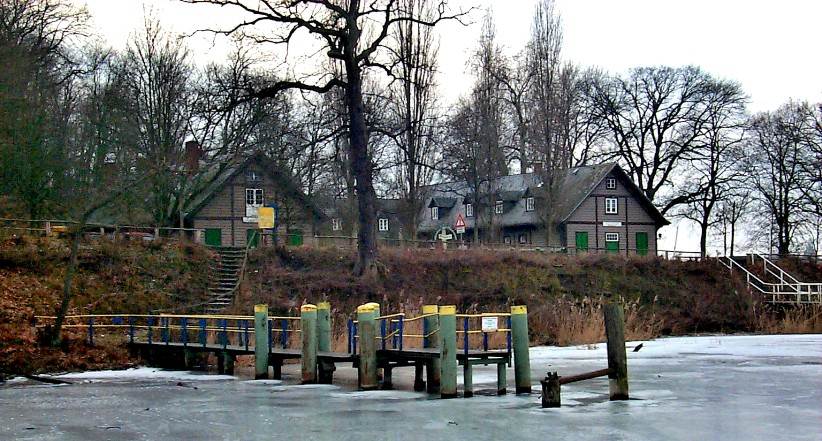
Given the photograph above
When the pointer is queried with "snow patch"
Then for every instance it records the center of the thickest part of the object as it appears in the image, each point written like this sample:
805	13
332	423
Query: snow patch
142	373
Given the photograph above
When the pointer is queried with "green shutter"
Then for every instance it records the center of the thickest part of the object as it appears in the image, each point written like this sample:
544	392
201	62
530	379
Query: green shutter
252	238
295	238
642	244
612	247
582	241
214	237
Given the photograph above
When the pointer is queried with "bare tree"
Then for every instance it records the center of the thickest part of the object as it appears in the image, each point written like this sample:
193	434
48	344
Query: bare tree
353	33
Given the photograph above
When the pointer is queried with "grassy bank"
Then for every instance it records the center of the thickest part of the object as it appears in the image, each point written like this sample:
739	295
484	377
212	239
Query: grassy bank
121	277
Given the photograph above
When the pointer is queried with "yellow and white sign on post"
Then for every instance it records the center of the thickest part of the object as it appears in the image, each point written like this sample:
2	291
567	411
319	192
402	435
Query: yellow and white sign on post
265	217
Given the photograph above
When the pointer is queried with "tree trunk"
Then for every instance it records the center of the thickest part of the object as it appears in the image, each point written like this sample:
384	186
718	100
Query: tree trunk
67	281
361	166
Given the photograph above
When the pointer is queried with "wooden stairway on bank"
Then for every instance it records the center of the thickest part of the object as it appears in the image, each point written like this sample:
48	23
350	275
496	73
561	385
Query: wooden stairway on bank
226	272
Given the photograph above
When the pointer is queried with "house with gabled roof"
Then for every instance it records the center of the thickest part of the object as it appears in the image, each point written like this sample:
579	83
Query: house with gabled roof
226	209
593	208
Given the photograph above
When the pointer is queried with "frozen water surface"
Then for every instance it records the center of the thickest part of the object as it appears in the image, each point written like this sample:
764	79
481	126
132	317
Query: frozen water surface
690	388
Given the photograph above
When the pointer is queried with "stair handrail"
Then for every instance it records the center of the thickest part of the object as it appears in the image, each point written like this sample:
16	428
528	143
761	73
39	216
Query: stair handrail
780	273
748	275
808	288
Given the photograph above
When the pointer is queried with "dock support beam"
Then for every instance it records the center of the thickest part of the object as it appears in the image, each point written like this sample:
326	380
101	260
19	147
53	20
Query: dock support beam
448	351
367	332
502	380
430	328
325	374
467	380
522	362
617	358
261	349
308	326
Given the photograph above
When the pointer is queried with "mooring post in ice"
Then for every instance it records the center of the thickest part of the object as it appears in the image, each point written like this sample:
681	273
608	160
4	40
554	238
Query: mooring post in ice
522	361
367	332
448	351
261	333
617	357
325	368
432	337
308	331
551	390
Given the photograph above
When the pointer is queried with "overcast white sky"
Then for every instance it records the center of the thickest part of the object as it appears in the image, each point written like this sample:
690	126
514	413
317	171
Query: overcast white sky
770	47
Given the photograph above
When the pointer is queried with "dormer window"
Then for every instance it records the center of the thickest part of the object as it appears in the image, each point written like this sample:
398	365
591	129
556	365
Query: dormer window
611	205
336	224
529	203
435	213
252	176
610	183
469	210
498	207
383	224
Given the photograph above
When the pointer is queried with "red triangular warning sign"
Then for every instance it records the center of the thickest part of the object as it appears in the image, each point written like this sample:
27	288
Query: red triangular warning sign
460	223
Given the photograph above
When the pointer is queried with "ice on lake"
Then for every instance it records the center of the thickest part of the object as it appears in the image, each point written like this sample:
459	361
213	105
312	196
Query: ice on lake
685	388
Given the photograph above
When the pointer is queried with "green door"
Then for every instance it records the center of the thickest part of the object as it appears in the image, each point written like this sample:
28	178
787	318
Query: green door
295	238
582	241
214	237
612	246
252	238
642	244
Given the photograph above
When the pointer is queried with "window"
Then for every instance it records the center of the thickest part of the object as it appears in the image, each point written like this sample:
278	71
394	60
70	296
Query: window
611	237
469	210
523	238
610	183
435	213
611	206
251	176
383	224
506	240
498	207
336	224
529	204
253	201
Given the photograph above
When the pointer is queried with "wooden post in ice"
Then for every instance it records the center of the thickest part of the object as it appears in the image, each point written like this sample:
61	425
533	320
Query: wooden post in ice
367	332
308	328
522	362
431	330
325	374
551	390
617	358
261	349
448	351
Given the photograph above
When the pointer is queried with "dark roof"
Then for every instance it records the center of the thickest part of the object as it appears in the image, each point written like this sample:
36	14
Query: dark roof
442	202
511	195
225	172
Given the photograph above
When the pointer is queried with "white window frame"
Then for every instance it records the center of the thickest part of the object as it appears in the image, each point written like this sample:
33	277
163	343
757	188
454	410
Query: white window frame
499	207
383	224
611	206
336	224
611	237
469	210
507	240
435	213
253	201
529	203
523	238
610	183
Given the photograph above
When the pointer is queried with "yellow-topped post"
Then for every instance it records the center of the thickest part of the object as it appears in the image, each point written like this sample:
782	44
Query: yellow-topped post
308	326
448	351
325	368
430	326
367	333
261	349
519	337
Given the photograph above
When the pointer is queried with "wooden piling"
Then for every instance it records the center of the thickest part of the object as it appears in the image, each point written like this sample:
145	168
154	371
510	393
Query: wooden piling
467	380
617	357
367	332
325	368
502	380
522	361
448	351
430	329
308	328
551	390
261	350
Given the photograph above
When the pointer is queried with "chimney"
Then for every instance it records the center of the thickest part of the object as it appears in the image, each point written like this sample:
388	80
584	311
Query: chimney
193	155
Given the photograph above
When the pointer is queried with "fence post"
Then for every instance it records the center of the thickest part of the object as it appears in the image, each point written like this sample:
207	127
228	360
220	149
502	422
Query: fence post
522	363
368	346
430	329
448	351
308	326
260	341
617	358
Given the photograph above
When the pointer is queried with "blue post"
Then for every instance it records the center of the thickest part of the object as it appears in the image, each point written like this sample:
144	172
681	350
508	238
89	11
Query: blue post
350	336
354	338
246	334
284	333
465	335
240	335
150	321
391	330
224	332
508	337
270	335
401	330
203	332
91	331
184	324
165	330
485	341
131	329
382	333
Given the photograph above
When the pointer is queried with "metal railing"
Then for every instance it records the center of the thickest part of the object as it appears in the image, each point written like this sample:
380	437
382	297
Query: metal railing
795	293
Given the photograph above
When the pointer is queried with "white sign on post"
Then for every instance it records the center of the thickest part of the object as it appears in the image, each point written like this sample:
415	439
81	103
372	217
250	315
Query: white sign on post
490	324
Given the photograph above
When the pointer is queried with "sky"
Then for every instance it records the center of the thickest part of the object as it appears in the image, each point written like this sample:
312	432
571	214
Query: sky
769	47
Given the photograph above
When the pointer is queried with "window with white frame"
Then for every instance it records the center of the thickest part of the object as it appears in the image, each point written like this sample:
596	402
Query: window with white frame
252	176
435	213
498	207
506	240
383	224
529	203
523	238
610	183
611	206
253	201
469	210
611	237
336	224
